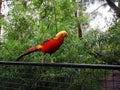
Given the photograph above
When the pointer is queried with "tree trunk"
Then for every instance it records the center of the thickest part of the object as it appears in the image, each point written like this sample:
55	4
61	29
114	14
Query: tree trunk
0	13
114	7
25	3
0	6
79	30
78	26
118	4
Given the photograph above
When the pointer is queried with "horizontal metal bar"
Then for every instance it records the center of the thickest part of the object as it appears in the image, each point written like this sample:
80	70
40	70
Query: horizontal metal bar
70	65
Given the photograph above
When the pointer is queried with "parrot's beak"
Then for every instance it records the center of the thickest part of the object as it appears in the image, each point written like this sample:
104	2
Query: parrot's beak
66	34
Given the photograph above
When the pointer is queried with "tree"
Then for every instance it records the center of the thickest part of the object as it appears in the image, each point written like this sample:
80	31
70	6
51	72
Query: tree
114	7
0	12
37	21
105	46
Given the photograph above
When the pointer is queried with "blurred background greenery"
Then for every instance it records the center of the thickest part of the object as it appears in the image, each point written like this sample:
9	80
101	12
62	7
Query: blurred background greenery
29	24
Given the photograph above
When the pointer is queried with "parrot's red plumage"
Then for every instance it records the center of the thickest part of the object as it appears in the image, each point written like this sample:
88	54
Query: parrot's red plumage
48	46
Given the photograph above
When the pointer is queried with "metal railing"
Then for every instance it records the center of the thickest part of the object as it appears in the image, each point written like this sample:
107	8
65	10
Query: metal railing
58	76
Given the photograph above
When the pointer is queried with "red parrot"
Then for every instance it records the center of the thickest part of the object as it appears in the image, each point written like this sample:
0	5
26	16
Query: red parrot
48	46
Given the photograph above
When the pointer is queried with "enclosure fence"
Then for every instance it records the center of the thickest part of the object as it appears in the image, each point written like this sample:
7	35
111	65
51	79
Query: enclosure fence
38	76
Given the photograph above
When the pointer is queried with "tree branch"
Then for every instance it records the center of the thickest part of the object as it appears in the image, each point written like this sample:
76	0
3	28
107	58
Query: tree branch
114	7
105	58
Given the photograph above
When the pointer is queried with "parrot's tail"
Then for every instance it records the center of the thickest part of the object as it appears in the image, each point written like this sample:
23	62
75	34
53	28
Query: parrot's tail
30	50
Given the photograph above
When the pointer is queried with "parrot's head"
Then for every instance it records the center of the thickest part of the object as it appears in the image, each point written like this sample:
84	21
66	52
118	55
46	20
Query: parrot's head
61	34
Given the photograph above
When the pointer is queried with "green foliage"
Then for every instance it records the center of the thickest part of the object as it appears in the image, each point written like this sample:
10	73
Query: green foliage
105	46
45	78
27	27
42	19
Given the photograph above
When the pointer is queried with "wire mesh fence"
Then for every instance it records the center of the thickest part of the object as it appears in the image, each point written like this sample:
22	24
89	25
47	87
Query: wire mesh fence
37	76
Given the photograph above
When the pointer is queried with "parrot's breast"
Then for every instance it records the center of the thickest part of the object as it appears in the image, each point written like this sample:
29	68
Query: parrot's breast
50	46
